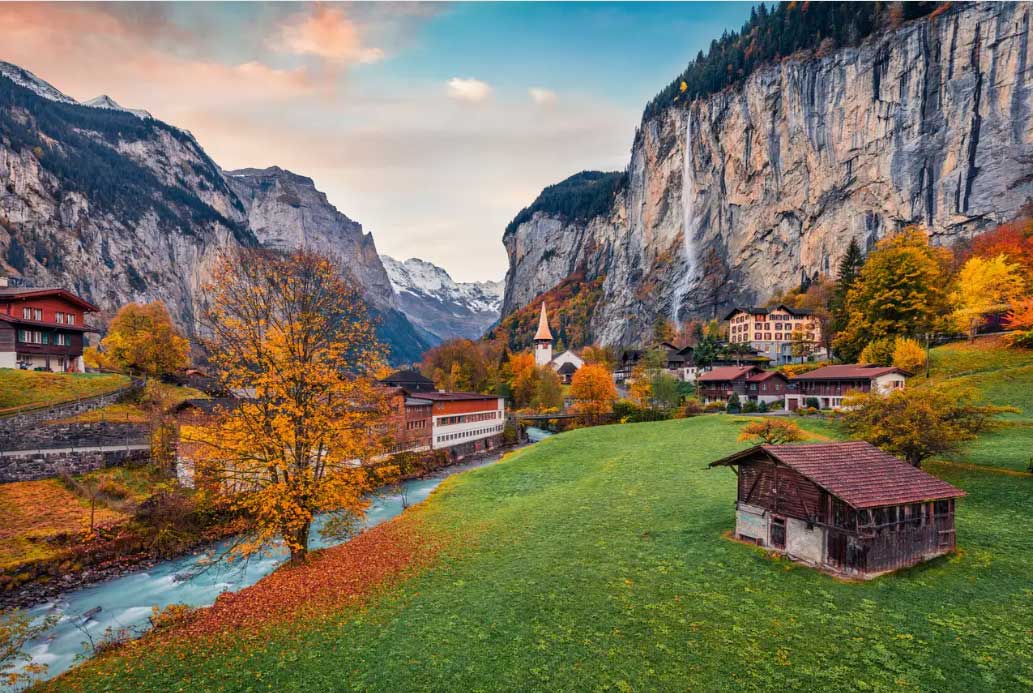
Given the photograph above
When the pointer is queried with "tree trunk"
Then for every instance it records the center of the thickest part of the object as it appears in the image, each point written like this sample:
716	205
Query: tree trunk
299	554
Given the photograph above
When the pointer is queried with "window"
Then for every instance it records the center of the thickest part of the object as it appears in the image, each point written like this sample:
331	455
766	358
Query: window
27	313
37	314
70	318
61	339
778	532
59	318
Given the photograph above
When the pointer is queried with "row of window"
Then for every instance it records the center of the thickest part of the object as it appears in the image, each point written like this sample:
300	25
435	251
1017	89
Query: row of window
469	418
37	315
469	434
413	425
37	337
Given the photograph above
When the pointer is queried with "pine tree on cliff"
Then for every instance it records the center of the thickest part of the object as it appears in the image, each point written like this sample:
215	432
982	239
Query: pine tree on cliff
849	269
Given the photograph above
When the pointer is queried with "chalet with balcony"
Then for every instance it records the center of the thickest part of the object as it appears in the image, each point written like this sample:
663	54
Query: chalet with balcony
751	383
42	328
826	387
845	508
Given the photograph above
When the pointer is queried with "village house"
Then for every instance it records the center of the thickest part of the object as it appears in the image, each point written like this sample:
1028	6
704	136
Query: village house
827	386
678	362
751	383
461	423
846	508
42	328
770	331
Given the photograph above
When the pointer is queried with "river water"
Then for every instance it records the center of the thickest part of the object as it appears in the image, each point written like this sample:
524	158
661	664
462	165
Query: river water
126	602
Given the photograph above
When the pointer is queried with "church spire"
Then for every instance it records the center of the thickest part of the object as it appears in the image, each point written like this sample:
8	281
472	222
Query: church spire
543	334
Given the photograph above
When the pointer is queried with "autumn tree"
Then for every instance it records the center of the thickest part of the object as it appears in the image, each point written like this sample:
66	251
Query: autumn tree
1020	319
802	344
1013	240
878	352
984	287
918	423
772	431
462	365
593	392
142	339
18	629
296	336
601	355
901	291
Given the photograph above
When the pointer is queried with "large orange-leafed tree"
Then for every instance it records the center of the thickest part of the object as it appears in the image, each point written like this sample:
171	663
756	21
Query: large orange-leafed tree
593	392
293	337
142	339
985	286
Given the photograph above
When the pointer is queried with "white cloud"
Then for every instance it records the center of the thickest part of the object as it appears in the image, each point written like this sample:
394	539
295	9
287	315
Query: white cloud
542	97
468	89
328	33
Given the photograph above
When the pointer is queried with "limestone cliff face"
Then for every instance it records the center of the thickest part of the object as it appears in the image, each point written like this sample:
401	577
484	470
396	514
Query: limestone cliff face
747	191
285	211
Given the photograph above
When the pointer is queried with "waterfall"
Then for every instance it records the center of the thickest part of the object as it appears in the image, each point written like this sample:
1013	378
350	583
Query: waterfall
688	191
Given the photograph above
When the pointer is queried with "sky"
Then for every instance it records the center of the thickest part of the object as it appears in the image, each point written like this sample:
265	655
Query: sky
431	124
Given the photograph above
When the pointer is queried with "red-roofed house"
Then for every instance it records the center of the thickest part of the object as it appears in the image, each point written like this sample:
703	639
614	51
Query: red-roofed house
749	382
828	385
42	328
848	508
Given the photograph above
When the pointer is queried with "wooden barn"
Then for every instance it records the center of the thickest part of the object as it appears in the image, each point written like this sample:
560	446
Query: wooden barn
847	508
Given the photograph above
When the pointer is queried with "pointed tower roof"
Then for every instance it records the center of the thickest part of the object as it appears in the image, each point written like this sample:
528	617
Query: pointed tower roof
543	334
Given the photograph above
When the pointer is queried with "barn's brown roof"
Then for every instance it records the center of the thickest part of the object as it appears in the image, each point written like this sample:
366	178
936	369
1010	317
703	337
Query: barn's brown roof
764	375
858	473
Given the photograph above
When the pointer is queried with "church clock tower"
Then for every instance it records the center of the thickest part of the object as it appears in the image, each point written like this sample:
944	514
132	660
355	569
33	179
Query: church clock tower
543	340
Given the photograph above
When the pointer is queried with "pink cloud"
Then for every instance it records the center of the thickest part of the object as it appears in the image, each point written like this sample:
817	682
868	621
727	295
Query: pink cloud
325	32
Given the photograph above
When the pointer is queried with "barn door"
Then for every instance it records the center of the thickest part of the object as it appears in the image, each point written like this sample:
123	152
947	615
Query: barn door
778	532
837	549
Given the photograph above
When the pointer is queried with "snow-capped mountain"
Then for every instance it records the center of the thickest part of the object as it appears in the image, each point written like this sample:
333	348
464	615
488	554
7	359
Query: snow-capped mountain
105	101
24	78
443	307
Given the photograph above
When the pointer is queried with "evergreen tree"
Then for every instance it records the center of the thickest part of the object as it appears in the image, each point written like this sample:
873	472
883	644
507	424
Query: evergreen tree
849	269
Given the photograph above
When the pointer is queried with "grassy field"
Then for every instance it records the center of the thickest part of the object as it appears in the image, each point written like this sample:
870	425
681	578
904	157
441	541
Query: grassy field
1002	376
596	560
20	388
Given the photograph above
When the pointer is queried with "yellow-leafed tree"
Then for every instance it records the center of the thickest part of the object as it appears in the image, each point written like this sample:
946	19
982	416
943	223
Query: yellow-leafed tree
297	338
985	286
142	339
593	392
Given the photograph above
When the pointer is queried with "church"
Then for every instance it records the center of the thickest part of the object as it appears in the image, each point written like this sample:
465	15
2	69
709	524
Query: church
566	364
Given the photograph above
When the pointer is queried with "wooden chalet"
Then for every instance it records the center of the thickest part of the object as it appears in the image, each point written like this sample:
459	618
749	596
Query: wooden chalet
828	386
751	383
846	508
42	328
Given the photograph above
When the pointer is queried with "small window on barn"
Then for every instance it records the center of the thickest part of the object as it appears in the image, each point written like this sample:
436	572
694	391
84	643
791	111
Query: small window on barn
915	514
942	508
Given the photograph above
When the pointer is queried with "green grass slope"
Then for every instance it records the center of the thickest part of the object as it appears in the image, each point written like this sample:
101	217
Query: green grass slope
596	561
20	388
1002	376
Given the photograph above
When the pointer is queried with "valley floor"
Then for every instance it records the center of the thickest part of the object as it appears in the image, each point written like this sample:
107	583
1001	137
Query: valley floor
596	560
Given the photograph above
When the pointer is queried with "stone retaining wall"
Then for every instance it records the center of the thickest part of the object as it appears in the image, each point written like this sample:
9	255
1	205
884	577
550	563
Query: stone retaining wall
18	423
47	465
79	435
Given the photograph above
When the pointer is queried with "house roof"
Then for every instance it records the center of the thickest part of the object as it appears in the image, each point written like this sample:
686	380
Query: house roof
453	396
411	380
39	292
723	373
764	375
854	371
568	368
210	406
856	472
756	310
543	334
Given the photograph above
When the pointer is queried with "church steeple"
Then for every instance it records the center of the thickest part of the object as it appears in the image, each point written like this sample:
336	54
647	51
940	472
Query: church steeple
543	340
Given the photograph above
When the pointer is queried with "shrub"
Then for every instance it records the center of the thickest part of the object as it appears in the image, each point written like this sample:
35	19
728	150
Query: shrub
734	406
772	431
1022	340
812	403
908	355
692	407
113	489
762	407
750	407
714	406
169	616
